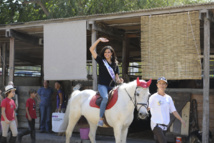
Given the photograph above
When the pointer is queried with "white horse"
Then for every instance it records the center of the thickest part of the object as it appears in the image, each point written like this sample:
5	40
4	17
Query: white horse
130	95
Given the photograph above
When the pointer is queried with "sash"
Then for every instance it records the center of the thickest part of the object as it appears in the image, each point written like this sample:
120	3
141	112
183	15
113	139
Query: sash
110	70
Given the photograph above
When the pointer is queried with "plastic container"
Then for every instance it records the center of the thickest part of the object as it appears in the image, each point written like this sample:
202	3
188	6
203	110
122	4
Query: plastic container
84	133
178	140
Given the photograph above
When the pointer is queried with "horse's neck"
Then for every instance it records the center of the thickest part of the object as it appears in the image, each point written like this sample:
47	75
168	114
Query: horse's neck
128	91
130	88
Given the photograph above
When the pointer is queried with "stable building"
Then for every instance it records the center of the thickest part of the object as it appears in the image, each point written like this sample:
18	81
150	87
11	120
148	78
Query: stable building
175	42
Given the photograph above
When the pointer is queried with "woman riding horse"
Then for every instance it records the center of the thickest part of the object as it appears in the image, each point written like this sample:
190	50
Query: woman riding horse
108	73
132	95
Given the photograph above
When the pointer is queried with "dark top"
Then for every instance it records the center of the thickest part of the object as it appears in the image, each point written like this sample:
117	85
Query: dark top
104	76
58	99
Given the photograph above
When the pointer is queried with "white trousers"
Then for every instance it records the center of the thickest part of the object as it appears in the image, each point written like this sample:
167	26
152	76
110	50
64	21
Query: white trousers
5	128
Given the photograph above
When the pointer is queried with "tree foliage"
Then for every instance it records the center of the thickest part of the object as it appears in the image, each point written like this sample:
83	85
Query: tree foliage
12	11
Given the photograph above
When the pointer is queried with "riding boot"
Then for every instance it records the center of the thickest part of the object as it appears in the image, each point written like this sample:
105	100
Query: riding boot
33	136
12	139
3	139
21	134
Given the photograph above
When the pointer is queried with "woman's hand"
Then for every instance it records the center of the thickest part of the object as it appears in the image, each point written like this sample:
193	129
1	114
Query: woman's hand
59	110
119	80
93	46
103	39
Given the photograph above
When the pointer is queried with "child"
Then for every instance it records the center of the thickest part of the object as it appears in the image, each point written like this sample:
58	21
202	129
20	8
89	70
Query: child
31	116
8	116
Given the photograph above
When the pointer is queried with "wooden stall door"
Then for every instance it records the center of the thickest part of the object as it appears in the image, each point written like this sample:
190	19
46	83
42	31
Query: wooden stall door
182	105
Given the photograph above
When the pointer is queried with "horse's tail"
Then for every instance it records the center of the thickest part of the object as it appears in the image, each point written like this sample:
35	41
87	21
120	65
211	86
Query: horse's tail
64	125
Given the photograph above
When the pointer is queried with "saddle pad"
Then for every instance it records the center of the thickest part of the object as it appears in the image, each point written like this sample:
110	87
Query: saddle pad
109	105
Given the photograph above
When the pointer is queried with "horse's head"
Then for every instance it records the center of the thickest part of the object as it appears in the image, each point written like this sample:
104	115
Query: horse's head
142	97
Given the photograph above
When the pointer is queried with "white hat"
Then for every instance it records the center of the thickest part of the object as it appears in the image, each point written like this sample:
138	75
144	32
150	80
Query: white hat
9	88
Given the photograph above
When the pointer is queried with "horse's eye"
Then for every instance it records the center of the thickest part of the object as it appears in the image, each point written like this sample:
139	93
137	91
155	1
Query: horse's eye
138	94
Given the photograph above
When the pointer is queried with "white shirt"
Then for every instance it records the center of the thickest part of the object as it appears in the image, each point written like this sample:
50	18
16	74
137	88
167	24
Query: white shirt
160	108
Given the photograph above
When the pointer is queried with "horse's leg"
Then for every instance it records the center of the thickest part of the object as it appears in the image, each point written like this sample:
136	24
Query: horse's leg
117	133
71	124
92	133
124	134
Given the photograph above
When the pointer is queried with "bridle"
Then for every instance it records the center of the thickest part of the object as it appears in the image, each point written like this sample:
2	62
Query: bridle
145	105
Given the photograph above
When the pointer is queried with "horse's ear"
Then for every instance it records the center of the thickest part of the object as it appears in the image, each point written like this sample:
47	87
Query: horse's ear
149	83
138	81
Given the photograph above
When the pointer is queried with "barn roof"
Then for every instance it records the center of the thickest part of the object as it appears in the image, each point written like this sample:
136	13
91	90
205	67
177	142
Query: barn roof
128	22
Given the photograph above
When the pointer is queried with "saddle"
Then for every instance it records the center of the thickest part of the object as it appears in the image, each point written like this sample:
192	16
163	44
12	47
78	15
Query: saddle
112	99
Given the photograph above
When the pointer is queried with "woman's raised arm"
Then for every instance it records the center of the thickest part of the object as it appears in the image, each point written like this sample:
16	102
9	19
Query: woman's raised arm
93	46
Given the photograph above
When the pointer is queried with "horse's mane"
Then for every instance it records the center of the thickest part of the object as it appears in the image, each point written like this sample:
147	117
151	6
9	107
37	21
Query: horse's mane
129	85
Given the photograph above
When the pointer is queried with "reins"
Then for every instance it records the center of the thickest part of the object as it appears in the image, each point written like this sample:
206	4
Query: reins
131	97
135	101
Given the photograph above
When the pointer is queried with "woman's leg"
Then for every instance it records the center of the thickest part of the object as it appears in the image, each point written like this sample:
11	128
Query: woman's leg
103	90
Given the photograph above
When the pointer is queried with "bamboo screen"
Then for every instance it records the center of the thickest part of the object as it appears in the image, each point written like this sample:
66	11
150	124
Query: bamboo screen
170	46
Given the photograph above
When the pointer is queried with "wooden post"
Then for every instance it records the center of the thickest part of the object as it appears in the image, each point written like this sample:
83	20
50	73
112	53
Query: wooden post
206	81
94	64
11	60
125	59
1	52
42	74
3	64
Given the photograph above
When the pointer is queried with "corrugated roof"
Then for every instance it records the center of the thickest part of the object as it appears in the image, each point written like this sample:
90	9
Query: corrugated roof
95	16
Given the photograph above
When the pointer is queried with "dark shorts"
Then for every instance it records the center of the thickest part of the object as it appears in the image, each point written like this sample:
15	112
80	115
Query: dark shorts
159	135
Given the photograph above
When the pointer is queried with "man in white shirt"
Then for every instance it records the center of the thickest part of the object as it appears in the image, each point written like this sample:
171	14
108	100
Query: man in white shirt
160	106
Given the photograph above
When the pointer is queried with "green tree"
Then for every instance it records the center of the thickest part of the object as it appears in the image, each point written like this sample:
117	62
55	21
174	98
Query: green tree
12	11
